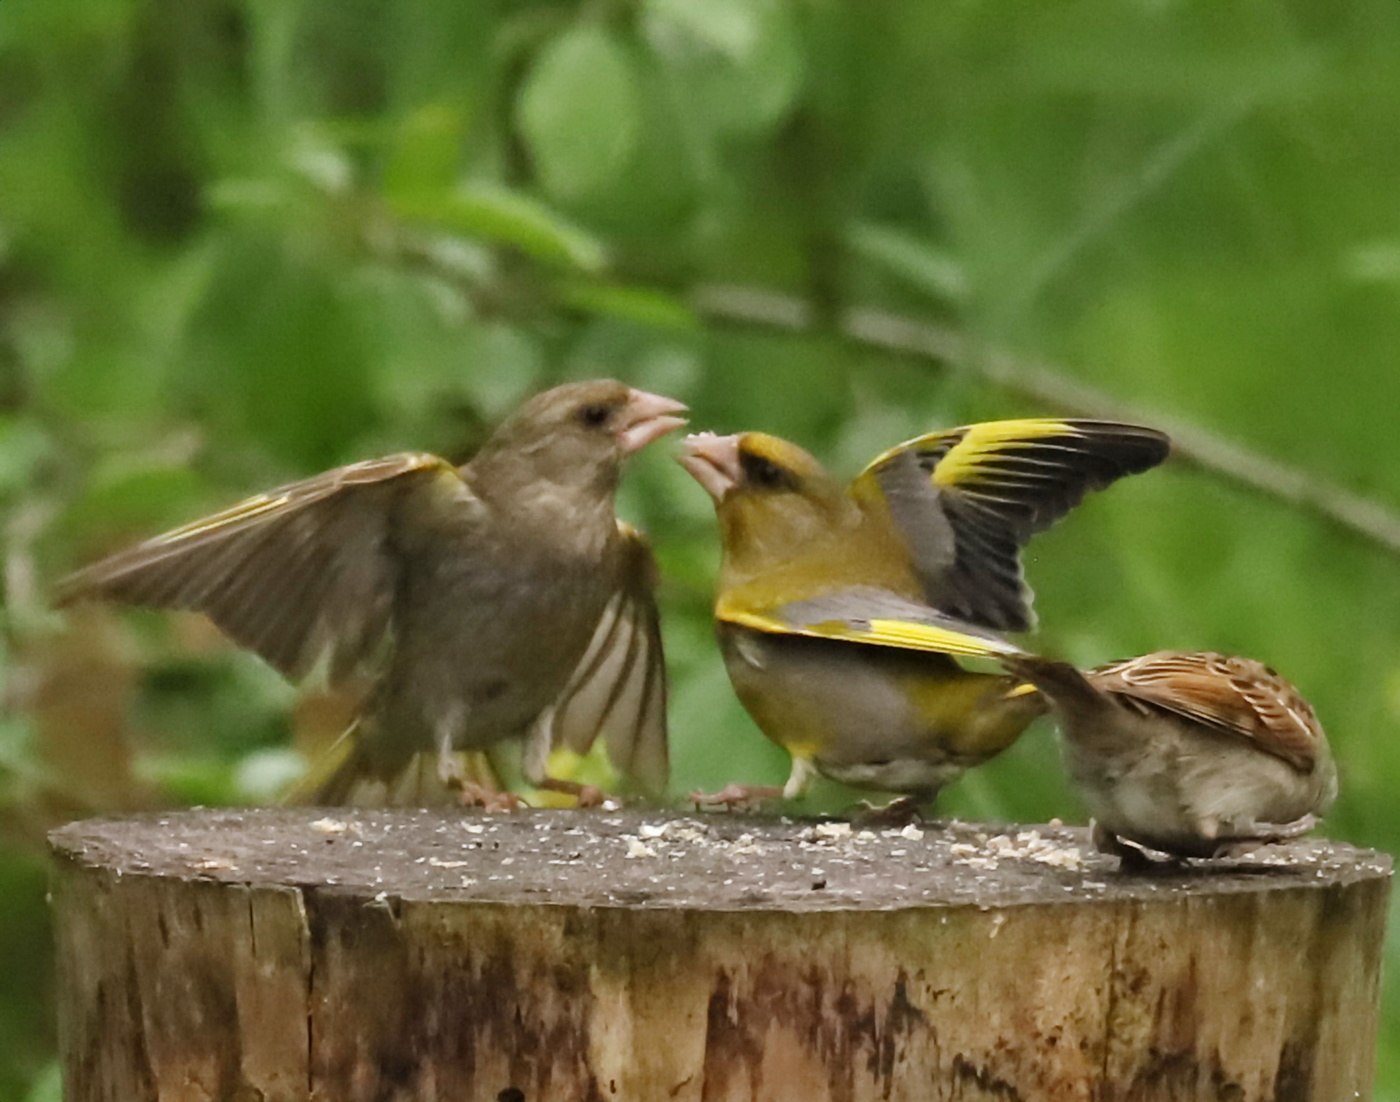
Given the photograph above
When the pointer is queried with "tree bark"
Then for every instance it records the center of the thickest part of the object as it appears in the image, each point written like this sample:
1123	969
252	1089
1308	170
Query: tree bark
358	956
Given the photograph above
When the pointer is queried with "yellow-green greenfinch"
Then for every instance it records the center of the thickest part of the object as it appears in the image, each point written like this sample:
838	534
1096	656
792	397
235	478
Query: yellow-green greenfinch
1188	753
498	600
842	611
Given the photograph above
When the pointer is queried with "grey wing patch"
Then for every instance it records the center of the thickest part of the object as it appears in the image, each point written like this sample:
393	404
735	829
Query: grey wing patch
914	504
299	574
859	605
618	689
969	562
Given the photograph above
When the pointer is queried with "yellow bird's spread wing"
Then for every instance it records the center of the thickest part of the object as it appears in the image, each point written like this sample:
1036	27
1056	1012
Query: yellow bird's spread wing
966	500
873	617
618	690
298	572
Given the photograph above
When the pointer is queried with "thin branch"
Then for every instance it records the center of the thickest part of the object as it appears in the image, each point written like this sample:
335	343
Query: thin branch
1161	165
1373	520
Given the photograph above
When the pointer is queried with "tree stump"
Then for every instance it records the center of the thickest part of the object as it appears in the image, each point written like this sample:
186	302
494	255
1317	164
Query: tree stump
354	956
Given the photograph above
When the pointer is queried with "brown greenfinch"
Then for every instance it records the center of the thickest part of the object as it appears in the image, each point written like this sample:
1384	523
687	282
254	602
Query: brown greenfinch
842	611
1188	753
498	600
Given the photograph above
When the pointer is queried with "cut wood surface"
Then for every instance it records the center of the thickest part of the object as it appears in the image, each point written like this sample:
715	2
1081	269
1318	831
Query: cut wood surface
271	955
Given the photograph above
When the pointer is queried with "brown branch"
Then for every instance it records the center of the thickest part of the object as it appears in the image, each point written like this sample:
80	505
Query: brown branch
1373	520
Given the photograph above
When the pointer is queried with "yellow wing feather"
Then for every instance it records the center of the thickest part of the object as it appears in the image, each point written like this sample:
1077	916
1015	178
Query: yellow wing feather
902	634
974	444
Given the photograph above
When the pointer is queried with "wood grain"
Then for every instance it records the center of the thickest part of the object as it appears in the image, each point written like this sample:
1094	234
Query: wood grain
563	956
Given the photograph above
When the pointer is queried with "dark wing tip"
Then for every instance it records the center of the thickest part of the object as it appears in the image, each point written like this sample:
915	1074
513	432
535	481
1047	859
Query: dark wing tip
1022	616
98	581
1136	448
972	595
1095	456
1026	486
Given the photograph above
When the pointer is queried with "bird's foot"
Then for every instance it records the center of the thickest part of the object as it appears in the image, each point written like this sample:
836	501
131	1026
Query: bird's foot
1267	834
587	795
453	775
1286	832
1132	858
899	812
735	796
488	799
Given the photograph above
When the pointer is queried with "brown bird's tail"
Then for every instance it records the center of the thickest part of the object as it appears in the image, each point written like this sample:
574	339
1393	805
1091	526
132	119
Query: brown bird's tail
1058	681
350	774
332	777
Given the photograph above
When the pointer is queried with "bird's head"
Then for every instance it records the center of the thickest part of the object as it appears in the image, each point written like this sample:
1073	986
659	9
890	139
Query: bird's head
774	501
578	434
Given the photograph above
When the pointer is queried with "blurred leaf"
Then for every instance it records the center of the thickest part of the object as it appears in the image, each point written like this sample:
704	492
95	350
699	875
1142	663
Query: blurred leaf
190	780
251	195
580	111
737	62
29	23
23	446
505	217
47	1085
321	163
134	499
427	150
639	304
1374	262
732	28
26	947
20	768
667	361
262	776
479	370
280	353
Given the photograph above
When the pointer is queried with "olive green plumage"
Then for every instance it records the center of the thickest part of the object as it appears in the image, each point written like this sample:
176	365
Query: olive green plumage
844	611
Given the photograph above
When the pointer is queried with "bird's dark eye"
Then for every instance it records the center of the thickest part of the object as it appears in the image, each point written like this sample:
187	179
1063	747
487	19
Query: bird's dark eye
765	473
595	415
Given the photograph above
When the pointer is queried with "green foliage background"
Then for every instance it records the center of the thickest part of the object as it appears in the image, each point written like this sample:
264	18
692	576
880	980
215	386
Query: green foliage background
244	240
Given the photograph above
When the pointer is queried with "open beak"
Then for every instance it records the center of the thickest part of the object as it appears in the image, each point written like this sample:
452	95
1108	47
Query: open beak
647	417
713	461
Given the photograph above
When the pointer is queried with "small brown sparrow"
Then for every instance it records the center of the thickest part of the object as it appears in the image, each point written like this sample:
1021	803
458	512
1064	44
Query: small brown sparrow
1189	753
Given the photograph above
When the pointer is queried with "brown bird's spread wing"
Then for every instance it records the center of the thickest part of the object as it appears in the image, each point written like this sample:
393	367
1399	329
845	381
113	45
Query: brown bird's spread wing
966	501
1238	696
618	689
291	574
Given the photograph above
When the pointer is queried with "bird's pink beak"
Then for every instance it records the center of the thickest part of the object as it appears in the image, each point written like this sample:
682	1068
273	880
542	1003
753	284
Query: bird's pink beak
713	461
647	417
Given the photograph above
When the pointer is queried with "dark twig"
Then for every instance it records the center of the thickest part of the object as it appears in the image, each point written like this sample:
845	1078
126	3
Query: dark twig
1360	515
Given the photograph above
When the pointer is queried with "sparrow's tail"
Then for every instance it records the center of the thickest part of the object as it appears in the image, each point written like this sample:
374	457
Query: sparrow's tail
1060	682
